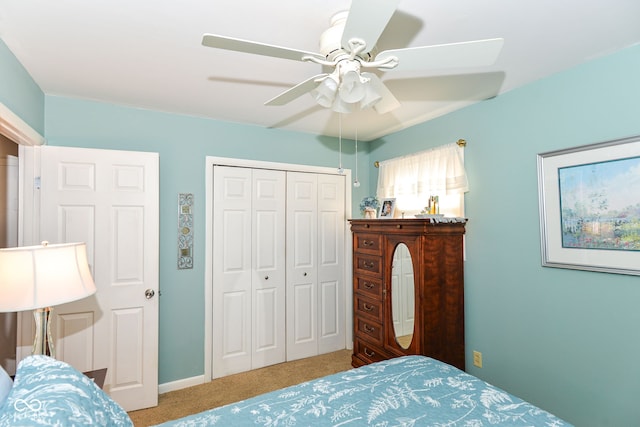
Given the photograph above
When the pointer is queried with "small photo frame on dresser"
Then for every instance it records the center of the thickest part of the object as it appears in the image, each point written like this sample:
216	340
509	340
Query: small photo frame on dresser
387	208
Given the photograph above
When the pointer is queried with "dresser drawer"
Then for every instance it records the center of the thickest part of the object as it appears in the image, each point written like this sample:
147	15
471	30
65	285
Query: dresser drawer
368	286
369	330
367	307
368	243
367	265
367	352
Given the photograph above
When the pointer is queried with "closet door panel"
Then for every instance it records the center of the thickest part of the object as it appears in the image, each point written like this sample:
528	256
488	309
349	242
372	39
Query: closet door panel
278	275
268	265
331	220
302	287
232	272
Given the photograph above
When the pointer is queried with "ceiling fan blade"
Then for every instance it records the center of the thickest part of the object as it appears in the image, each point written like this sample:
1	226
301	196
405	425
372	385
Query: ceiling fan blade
367	19
388	101
246	46
296	91
478	53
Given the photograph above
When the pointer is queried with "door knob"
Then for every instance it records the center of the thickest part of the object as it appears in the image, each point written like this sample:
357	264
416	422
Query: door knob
149	293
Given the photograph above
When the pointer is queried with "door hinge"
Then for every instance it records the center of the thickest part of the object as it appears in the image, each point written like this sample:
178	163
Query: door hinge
36	183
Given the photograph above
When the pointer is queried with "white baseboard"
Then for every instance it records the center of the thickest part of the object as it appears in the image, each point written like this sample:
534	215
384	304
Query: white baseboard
180	384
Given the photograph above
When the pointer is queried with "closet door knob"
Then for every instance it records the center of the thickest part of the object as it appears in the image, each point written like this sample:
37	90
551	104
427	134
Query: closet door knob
305	274
266	277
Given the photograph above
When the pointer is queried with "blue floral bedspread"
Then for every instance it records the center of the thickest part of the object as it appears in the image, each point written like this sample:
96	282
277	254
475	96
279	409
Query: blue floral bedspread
48	392
407	391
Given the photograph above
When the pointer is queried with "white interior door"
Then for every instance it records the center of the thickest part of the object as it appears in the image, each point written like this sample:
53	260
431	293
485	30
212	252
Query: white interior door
108	199
315	259
302	267
268	267
331	288
249	269
231	270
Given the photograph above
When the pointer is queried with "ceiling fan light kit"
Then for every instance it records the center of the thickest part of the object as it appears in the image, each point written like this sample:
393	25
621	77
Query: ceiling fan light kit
349	45
346	90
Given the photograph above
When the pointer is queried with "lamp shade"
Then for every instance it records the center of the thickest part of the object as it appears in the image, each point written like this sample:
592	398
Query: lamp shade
33	277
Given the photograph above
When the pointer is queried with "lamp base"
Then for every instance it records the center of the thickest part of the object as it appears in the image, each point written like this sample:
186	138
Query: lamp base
43	343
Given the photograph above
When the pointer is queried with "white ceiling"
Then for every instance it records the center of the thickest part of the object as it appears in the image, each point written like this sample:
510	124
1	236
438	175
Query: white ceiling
148	53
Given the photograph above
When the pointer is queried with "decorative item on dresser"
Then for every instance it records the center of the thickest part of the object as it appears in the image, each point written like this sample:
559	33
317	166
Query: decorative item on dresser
428	295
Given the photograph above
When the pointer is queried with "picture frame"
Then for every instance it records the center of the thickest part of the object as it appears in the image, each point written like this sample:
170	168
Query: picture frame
387	208
589	203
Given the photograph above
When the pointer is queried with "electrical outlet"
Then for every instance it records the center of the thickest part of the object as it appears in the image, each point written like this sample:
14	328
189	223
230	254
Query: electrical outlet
477	359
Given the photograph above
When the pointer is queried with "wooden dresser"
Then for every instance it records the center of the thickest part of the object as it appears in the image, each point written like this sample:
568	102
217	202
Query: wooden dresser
437	291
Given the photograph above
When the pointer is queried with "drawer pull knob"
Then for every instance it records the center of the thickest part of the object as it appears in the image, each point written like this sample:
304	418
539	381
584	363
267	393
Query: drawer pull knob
368	264
368	243
368	307
368	328
369	285
368	352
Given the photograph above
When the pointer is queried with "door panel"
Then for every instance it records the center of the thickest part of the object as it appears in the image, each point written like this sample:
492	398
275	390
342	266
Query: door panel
268	265
292	312
232	271
75	332
331	219
304	322
302	269
108	199
248	285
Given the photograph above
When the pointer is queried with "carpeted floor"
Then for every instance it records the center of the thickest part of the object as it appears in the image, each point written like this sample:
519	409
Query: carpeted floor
221	391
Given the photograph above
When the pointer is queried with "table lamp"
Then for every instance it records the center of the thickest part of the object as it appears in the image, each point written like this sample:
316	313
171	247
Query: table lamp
39	277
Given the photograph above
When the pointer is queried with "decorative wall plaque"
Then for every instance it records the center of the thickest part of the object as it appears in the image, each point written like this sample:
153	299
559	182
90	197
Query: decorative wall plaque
185	230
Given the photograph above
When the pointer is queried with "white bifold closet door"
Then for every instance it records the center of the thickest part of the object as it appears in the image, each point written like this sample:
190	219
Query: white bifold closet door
315	264
278	267
249	269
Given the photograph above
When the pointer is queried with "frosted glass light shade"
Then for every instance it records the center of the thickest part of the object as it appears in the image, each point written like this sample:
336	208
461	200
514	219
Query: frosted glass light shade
325	92
352	89
34	277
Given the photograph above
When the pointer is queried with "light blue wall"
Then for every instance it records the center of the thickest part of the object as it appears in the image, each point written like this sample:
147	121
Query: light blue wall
19	92
566	340
183	142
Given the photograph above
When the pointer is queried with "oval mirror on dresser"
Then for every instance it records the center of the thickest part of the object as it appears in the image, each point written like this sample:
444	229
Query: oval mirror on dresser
402	295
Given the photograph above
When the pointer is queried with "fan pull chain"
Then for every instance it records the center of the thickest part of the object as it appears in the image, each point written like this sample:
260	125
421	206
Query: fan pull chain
356	183
340	168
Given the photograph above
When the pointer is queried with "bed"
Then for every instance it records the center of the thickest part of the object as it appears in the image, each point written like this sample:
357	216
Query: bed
407	391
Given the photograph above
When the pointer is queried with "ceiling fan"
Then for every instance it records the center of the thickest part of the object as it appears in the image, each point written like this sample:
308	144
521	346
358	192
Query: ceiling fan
348	47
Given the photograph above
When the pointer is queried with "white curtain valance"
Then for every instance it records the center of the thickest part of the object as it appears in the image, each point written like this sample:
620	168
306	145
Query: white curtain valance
436	171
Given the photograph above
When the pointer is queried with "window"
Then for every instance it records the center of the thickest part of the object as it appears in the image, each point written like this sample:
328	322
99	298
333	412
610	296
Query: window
412	179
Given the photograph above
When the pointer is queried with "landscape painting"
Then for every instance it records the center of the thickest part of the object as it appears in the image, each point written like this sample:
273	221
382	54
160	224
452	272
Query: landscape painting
600	205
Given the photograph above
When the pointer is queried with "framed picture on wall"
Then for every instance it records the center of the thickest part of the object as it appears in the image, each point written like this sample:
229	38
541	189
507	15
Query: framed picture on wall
387	208
590	207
